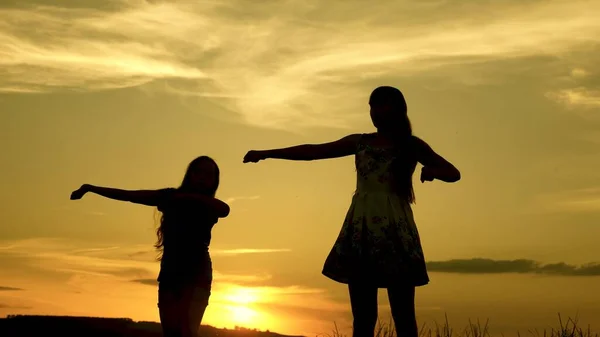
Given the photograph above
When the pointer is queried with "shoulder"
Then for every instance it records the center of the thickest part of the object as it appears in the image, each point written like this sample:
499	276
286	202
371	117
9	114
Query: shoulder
419	143
347	144
361	138
354	138
164	197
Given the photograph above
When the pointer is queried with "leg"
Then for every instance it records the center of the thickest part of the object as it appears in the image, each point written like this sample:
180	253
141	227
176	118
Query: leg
402	303
169	311
363	299
196	299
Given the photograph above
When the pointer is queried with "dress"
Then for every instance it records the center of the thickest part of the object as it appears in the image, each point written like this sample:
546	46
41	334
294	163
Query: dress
379	242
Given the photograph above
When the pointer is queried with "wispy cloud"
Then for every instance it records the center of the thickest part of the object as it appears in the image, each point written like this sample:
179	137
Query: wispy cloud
3	288
226	278
146	281
575	200
577	97
489	266
266	61
124	262
235	199
71	257
239	251
8	306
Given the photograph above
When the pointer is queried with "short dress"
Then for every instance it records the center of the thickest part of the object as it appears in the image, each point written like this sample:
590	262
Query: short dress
379	242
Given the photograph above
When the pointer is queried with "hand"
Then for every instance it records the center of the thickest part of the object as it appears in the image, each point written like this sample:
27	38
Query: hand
254	156
427	174
78	194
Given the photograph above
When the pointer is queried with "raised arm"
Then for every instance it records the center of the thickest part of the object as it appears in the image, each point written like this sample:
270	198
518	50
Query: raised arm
143	197
340	148
434	165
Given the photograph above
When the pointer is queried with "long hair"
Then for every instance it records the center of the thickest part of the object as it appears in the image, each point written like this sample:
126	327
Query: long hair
404	164
187	187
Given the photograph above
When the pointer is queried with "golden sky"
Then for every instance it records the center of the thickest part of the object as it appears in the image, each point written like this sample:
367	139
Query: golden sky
124	93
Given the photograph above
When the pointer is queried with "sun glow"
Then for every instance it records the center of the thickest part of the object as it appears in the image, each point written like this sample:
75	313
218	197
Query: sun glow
239	306
242	296
242	315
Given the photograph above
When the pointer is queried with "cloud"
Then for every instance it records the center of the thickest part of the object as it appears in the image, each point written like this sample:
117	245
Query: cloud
575	200
577	97
8	306
522	266
234	199
134	262
266	61
579	90
146	281
239	251
3	288
72	257
225	278
151	255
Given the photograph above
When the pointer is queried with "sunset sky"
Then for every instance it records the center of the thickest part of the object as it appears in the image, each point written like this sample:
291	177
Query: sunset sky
124	93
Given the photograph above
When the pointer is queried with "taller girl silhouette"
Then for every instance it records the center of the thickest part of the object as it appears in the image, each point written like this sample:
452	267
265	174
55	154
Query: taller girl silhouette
378	245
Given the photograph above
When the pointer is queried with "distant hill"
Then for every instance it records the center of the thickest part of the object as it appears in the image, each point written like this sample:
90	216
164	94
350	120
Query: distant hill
67	326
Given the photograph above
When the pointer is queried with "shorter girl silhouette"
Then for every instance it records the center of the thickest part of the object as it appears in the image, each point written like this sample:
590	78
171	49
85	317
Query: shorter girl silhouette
378	245
189	213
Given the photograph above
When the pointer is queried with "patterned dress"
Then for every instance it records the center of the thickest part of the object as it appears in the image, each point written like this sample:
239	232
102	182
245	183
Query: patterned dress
379	242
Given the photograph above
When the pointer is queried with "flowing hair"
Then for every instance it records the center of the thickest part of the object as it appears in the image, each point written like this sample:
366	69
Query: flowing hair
186	186
405	162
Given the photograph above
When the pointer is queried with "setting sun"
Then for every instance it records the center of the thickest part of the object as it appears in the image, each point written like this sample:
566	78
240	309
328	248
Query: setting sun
234	305
242	315
242	296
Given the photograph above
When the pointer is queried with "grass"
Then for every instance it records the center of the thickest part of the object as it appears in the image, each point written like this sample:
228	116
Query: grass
568	328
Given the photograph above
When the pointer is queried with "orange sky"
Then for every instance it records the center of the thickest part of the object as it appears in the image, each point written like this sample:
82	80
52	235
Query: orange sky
124	93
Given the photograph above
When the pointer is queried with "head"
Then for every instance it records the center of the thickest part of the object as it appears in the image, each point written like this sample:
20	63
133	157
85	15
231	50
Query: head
389	112
202	176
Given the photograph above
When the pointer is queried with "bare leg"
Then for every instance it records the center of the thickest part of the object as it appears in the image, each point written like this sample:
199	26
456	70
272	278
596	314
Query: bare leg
170	314
402	303
363	299
196	301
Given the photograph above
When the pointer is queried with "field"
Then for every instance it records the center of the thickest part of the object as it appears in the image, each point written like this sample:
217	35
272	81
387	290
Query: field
35	326
568	327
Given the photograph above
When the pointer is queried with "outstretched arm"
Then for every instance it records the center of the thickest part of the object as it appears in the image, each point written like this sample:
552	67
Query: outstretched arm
158	198
340	148
434	165
143	197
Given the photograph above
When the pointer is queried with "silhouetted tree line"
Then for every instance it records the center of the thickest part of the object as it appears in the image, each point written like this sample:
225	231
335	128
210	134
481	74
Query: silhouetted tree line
43	326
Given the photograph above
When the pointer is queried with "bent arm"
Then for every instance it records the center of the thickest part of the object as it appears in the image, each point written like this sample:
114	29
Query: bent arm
143	197
340	148
441	168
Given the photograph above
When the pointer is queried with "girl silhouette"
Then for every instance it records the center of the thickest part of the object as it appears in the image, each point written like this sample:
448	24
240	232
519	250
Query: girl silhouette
188	214
378	245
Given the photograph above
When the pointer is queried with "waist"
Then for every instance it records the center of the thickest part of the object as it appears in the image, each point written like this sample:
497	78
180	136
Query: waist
177	268
384	196
375	191
196	253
